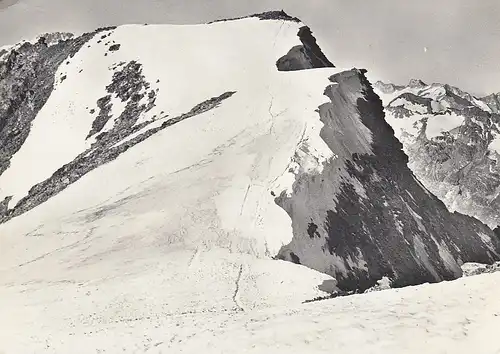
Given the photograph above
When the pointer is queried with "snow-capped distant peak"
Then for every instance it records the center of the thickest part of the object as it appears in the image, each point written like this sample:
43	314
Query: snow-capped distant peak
416	83
444	96
492	101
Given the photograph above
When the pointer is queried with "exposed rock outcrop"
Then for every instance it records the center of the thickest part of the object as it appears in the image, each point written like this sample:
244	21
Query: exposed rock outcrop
268	15
376	219
305	56
27	78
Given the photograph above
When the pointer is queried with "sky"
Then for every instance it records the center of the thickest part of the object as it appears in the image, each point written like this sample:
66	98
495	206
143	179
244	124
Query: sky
448	41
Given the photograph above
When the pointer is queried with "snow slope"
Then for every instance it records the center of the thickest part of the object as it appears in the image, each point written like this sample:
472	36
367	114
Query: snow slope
450	317
275	121
65	116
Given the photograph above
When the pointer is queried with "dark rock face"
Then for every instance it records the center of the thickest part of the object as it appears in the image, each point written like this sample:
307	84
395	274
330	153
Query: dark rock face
27	78
276	15
104	115
383	223
4	206
55	37
472	269
126	85
455	99
312	230
107	28
305	56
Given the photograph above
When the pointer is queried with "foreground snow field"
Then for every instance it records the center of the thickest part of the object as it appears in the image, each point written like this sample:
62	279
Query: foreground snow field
461	316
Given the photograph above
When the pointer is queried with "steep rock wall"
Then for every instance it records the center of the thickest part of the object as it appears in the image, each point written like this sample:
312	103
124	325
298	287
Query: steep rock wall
366	215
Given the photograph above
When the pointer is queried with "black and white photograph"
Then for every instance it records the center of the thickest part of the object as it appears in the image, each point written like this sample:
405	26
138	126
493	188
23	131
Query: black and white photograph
261	177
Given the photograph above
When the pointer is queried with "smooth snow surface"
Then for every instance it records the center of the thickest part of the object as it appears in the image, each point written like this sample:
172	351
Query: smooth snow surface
456	317
436	125
495	144
406	129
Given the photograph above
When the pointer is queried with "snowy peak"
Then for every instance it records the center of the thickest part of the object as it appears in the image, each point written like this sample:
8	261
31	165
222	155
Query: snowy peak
493	102
126	111
416	83
264	152
387	88
160	170
300	57
443	97
141	166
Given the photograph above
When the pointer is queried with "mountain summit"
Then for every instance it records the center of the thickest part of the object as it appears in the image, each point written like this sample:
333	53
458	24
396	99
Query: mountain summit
143	166
416	83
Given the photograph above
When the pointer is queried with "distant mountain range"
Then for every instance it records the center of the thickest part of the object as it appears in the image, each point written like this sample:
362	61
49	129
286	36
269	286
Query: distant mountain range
452	139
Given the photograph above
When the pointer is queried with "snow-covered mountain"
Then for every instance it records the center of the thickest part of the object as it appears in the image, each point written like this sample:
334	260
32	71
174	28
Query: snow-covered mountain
156	171
452	139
